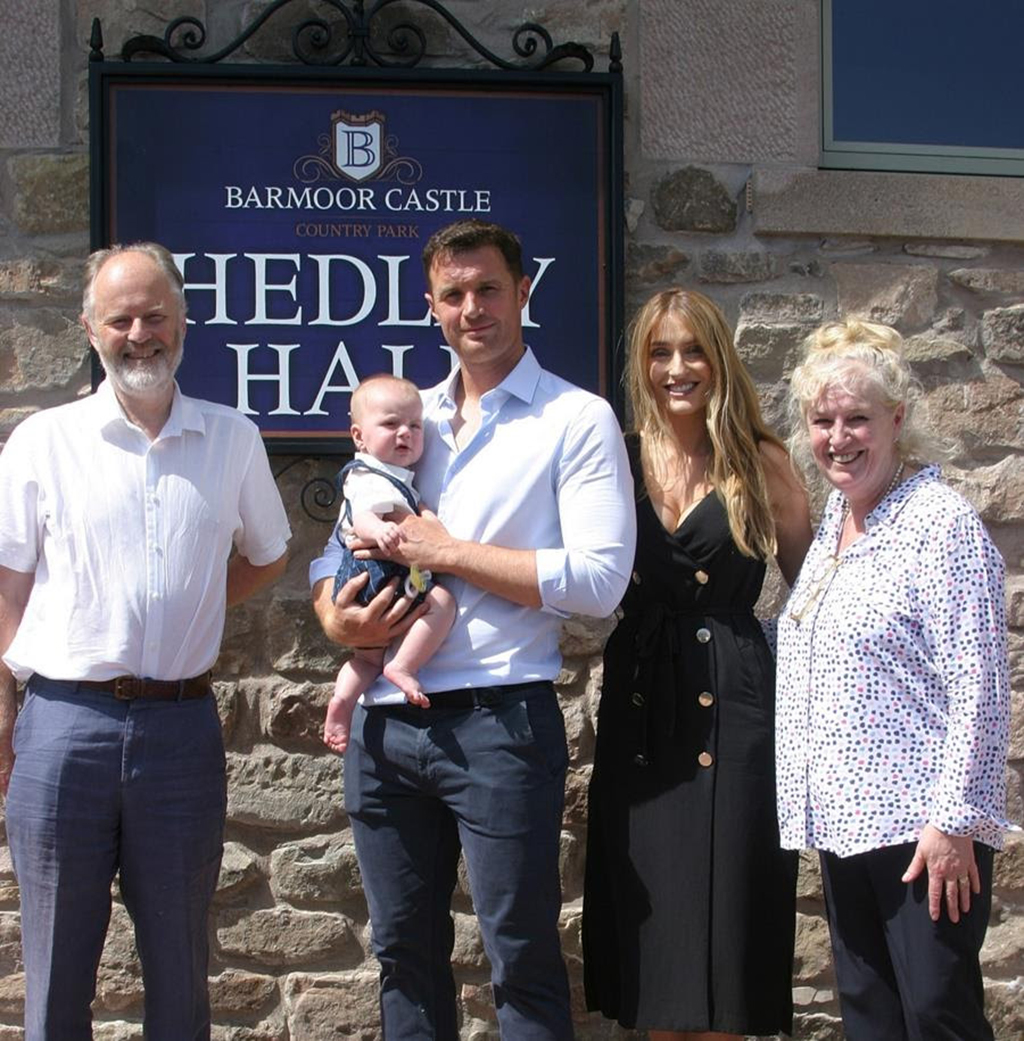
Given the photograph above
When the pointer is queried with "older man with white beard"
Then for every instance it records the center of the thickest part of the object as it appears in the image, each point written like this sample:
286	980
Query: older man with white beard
117	518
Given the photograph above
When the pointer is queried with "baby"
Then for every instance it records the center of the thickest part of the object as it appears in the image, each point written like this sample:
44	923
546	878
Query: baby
387	428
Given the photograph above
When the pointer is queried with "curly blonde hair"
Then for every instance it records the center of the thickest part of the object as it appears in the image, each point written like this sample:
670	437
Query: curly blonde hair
858	357
735	426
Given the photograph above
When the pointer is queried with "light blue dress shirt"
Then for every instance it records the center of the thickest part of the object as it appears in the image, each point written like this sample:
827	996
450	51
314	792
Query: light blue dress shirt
546	470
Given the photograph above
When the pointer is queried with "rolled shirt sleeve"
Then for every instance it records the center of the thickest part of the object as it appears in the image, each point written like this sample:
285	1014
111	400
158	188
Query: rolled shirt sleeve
589	574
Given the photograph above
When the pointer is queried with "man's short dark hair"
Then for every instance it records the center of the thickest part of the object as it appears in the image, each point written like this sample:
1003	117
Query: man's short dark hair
466	235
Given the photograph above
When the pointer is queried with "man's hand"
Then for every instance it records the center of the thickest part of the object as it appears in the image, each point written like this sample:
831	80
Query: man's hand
350	624
952	871
424	542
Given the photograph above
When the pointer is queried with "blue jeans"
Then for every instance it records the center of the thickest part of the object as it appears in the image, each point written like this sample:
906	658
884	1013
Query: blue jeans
421	784
102	787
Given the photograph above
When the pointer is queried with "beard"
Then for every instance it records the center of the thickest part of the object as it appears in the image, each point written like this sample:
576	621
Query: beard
151	376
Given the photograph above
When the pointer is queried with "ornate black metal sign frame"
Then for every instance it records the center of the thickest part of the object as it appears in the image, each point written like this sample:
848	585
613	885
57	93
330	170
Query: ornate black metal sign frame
297	198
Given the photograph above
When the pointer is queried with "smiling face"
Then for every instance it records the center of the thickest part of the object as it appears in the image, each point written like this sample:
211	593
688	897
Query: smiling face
137	325
678	370
853	439
477	301
387	422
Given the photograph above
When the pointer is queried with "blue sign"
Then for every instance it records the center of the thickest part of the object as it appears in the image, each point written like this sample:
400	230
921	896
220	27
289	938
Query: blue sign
297	214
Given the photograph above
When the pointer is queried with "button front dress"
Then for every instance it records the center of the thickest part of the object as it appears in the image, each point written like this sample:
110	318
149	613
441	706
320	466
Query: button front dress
689	905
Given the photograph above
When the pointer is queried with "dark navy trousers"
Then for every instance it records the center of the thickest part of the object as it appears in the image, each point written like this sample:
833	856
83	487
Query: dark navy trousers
901	976
421	784
103	787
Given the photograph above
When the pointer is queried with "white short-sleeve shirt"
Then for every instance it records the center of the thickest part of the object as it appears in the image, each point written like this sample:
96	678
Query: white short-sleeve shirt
129	538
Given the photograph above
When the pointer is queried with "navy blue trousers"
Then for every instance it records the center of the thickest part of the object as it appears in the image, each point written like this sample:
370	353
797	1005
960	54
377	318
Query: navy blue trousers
421	784
901	976
103	787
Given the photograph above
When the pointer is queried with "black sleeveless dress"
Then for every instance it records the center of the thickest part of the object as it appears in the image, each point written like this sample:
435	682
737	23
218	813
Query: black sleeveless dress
689	903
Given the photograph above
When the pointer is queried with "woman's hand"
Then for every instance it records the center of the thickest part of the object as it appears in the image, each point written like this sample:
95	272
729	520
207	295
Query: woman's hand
952	871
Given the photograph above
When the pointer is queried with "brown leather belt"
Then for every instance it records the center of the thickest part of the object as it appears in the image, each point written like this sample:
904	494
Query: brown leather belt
128	688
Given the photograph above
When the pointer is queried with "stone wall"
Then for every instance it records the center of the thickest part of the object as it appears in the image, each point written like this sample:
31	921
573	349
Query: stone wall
723	194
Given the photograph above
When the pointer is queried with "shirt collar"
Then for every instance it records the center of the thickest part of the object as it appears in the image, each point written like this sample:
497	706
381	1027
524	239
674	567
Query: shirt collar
520	383
889	508
185	412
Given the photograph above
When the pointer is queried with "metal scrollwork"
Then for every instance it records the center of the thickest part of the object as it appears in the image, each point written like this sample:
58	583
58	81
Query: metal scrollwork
319	499
350	38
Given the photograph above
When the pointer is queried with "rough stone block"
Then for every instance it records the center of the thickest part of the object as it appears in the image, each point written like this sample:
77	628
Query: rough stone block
808	885
468	952
10	942
293	714
236	992
1002	333
981	416
812	960
997	491
653	266
343	1005
322	870
8	883
42	350
769	351
989	281
295	641
239	869
12	994
901	295
727	266
805	308
585	636
1005	1008
576	783
282	792
51	193
40	281
119	980
281	937
693	199
1003	951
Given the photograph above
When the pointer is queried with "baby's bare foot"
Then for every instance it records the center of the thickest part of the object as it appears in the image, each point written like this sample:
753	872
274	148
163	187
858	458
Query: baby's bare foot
407	683
337	726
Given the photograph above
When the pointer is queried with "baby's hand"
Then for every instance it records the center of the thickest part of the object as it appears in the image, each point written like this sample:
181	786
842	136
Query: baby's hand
389	537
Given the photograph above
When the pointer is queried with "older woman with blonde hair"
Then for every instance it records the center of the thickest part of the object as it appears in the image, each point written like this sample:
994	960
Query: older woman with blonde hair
893	699
688	913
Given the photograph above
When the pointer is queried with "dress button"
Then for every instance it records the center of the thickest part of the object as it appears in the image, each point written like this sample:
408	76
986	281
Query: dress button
703	635
705	759
705	699
636	578
637	699
702	577
640	759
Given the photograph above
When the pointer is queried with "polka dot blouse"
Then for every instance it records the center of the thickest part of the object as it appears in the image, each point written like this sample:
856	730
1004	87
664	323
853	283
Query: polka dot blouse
893	689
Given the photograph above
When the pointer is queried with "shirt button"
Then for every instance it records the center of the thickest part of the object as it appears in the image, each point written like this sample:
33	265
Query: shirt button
703	635
640	759
636	578
705	699
702	577
638	699
705	759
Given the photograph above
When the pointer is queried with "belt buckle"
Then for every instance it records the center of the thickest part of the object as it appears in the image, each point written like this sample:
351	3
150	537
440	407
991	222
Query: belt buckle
127	688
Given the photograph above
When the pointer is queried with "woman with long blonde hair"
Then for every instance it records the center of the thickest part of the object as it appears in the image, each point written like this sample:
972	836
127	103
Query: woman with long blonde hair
689	906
